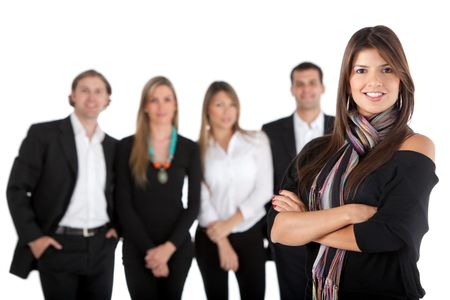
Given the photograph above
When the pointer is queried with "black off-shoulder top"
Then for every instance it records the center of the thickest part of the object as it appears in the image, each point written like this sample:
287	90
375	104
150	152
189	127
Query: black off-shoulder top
390	241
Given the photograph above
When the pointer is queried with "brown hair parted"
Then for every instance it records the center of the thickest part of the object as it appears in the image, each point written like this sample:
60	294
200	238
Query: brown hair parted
306	66
139	155
386	42
89	73
205	129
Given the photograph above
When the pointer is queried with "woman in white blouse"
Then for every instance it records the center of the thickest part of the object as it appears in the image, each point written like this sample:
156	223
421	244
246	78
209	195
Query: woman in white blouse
237	182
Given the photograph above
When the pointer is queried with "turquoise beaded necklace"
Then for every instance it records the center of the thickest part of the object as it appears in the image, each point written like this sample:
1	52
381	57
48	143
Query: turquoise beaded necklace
162	167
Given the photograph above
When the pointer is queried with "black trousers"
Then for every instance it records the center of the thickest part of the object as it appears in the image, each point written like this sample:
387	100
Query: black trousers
290	263
141	283
82	269
251	274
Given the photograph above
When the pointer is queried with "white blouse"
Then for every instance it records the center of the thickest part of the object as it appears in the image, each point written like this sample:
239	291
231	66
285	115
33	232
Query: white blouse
241	178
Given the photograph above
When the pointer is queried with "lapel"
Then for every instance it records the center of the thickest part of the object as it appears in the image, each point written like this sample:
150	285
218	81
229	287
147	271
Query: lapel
288	136
67	140
328	124
108	151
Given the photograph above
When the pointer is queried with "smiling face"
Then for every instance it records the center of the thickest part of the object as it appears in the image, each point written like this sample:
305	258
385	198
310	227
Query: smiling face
374	86
89	97
307	89
161	105
222	112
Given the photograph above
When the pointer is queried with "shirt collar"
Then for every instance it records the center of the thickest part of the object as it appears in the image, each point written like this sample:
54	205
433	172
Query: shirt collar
78	129
316	123
235	138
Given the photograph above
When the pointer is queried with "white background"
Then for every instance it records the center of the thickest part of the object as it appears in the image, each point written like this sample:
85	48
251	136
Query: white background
251	44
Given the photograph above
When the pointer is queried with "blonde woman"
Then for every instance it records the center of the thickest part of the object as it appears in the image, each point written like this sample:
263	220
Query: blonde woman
237	182
151	168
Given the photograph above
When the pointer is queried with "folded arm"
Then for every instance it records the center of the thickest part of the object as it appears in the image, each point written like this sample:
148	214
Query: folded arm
299	228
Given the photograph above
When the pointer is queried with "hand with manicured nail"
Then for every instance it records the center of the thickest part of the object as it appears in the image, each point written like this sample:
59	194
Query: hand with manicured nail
287	201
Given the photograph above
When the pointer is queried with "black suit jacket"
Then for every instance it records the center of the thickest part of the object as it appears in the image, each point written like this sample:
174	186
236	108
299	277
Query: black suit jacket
41	184
282	143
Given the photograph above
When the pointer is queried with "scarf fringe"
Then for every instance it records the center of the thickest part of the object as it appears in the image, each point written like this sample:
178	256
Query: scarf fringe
362	137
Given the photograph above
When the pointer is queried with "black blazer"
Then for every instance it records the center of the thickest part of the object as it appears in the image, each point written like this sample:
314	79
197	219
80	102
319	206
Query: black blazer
282	143
41	184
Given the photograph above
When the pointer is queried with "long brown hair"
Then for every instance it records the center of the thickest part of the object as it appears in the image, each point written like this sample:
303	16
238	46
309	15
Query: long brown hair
205	129
139	156
386	42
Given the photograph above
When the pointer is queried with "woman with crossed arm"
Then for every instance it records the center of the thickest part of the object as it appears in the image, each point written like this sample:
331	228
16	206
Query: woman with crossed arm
358	198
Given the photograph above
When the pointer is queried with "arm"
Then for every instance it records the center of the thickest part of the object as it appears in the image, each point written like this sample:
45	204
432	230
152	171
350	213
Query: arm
229	260
402	218
208	213
221	229
299	228
23	180
262	190
189	214
129	221
161	254
263	186
343	238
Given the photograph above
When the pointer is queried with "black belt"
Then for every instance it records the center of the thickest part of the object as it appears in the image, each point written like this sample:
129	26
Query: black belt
85	232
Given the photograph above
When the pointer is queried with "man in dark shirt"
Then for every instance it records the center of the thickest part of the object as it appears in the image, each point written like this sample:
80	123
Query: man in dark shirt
287	137
60	198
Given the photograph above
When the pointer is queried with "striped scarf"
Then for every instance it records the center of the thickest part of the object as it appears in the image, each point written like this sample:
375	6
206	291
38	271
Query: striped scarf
327	191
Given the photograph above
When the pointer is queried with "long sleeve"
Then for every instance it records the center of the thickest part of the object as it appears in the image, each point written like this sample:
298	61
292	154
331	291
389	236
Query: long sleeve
207	213
23	180
190	213
290	180
263	185
290	183
130	223
402	217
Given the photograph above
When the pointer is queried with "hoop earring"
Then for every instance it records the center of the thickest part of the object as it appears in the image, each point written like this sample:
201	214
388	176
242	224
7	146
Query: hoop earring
208	124
400	102
348	103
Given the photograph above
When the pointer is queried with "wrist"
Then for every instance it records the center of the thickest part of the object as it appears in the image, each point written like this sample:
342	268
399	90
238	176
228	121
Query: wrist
222	242
35	241
170	247
235	219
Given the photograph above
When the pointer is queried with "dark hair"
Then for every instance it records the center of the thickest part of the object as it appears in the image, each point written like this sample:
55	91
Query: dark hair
307	66
90	73
386	42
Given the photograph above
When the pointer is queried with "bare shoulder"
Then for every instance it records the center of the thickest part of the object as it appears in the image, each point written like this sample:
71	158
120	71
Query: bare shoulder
419	143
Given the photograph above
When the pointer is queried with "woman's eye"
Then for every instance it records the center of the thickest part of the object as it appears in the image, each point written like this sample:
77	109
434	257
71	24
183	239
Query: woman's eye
387	70
360	71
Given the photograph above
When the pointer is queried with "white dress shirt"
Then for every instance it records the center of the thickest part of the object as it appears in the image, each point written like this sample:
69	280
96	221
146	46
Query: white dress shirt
305	133
87	207
241	178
